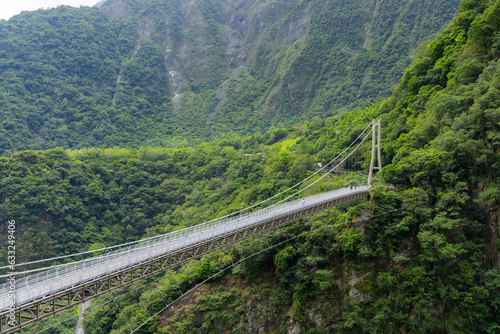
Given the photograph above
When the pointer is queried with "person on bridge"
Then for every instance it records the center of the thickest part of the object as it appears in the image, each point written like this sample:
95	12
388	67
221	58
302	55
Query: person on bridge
303	202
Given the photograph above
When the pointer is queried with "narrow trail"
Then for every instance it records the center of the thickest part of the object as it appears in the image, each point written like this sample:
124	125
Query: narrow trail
79	325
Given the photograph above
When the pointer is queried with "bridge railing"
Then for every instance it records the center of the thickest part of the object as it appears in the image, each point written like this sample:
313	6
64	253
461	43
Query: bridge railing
52	280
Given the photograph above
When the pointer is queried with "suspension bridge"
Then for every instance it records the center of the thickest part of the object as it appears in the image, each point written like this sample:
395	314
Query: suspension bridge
41	293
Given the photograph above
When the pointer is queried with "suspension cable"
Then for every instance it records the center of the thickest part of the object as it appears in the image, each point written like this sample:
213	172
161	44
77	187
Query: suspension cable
323	176
210	221
246	258
236	263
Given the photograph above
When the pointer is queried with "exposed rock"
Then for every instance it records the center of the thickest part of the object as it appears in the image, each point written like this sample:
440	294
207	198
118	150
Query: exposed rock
356	295
294	328
356	277
314	315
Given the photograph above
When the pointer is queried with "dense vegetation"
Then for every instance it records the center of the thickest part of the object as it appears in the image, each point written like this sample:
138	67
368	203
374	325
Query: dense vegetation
434	269
66	201
431	268
59	87
174	73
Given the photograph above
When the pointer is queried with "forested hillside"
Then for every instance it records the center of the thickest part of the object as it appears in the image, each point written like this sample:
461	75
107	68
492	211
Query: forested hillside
174	73
431	265
433	268
68	201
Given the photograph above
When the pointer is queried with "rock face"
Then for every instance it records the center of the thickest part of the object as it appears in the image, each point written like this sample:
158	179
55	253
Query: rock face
355	278
294	328
307	49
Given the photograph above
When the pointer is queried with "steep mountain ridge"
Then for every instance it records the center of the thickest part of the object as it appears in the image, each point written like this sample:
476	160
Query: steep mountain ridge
143	72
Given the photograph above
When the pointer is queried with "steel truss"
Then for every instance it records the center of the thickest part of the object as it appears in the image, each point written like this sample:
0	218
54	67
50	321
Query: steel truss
49	305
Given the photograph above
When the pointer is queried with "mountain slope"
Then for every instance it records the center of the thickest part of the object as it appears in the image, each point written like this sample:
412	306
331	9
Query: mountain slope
138	72
302	58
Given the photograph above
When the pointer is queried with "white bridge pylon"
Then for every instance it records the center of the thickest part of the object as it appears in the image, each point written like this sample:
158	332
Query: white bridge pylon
376	136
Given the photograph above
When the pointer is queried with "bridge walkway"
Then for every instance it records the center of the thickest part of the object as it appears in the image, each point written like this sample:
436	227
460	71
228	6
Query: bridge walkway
49	292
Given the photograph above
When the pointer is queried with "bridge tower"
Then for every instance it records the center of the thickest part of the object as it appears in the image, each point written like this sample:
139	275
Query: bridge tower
376	136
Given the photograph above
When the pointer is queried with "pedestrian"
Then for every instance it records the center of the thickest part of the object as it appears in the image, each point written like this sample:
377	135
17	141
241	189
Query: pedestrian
303	202
350	186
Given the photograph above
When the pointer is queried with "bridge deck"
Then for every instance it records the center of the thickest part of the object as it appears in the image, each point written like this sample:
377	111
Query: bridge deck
212	236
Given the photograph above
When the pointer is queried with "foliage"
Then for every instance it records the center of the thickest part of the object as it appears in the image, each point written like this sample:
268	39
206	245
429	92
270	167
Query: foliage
65	202
426	262
148	73
433	267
